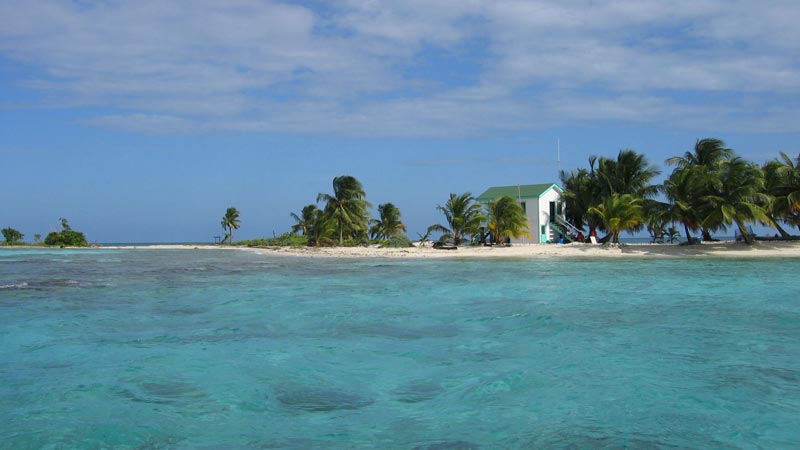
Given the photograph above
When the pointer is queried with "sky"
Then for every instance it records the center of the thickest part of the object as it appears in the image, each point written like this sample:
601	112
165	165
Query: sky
143	121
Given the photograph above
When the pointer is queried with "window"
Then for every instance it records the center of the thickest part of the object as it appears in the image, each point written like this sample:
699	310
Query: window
524	207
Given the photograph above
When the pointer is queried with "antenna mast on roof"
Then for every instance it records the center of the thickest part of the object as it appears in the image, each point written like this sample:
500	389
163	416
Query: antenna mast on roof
558	157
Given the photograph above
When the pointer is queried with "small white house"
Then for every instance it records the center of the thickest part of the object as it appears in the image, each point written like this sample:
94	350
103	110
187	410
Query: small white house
542	204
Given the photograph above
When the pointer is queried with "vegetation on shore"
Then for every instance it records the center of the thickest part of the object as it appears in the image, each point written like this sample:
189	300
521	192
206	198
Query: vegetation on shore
230	221
709	190
344	219
12	236
67	237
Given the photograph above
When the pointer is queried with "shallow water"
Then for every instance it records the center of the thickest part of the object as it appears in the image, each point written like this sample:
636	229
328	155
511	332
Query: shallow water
229	349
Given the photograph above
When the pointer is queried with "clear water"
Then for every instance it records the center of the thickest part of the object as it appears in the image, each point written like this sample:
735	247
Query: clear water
206	349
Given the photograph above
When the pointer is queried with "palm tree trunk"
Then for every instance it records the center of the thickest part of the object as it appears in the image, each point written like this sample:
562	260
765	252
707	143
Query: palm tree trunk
707	235
688	236
747	238
341	236
783	232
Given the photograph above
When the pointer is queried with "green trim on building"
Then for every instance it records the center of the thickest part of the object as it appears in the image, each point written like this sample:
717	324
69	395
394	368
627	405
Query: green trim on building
518	191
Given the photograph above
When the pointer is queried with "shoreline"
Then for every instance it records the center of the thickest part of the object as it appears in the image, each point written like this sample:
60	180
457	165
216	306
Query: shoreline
726	249
544	251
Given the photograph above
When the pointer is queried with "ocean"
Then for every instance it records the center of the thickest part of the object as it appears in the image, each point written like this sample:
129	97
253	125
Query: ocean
204	349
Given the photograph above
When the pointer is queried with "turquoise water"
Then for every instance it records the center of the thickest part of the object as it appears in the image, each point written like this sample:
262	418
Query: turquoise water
206	349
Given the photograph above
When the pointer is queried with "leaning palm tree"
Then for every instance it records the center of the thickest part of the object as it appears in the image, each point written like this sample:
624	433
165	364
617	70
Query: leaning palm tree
347	206
701	168
304	222
620	213
737	197
389	223
506	219
683	190
463	215
782	183
230	222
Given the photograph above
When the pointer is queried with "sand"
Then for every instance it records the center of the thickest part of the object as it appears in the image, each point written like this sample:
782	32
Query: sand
728	249
716	249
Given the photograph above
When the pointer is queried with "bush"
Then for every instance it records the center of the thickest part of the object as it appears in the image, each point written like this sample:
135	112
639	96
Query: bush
66	238
399	241
12	236
284	240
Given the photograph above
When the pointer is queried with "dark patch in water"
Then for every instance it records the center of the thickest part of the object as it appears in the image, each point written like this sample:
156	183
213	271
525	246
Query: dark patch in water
44	284
168	392
448	445
404	333
598	438
418	391
317	399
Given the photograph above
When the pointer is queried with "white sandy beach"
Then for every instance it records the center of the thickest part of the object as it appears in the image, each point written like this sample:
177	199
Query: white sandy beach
717	249
726	249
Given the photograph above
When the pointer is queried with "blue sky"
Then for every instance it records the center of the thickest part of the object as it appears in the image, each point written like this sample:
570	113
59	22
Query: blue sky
143	121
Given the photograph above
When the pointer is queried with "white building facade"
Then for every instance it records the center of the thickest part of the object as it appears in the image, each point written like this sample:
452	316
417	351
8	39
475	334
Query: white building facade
543	205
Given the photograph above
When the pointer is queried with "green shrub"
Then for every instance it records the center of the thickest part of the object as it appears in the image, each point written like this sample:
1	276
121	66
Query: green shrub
284	240
398	241
12	236
66	238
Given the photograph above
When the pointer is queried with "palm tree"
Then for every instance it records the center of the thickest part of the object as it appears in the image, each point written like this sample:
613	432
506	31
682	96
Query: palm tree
506	219
581	193
630	174
321	229
620	213
230	221
737	196
696	173
585	190
308	215
463	215
682	191
782	183
347	206
656	217
707	153
389	223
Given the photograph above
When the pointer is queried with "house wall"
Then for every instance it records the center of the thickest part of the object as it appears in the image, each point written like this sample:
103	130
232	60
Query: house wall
532	212
538	212
552	195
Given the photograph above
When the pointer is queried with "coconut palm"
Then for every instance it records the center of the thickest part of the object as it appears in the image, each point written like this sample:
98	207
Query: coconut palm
389	223
347	206
737	196
321	229
630	174
620	213
308	216
682	191
782	183
230	221
697	172
506	219
707	153
463	215
581	193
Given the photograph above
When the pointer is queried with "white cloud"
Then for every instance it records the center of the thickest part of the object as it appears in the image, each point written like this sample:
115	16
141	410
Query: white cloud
365	67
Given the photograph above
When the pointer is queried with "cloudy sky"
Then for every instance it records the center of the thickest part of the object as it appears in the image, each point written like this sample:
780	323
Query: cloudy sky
143	121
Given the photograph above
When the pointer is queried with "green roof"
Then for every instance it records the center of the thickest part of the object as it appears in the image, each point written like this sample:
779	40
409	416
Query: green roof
517	191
